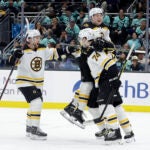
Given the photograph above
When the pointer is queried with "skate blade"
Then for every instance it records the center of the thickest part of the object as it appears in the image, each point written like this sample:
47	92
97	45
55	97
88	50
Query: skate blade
66	116
28	134
35	137
130	140
72	119
77	123
119	141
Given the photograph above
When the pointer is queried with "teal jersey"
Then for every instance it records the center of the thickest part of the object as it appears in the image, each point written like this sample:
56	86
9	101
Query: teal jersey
119	23
136	42
106	20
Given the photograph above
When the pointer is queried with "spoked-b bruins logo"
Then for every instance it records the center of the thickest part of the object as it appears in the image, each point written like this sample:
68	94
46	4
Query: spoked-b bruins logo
36	63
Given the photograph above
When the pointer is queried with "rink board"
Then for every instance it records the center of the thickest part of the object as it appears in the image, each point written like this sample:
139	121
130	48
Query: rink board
59	87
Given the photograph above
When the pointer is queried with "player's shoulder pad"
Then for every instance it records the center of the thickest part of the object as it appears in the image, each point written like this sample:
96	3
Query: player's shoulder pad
85	25
105	27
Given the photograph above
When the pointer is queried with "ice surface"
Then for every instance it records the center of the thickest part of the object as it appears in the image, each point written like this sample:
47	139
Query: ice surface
62	135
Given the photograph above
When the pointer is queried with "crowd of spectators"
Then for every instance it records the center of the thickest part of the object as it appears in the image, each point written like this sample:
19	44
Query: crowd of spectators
63	21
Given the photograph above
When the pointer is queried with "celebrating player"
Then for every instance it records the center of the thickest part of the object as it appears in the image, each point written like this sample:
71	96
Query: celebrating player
30	78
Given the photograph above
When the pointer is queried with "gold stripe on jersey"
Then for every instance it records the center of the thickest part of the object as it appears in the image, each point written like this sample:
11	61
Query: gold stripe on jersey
105	61
96	80
30	50
109	64
105	28
95	28
29	78
35	84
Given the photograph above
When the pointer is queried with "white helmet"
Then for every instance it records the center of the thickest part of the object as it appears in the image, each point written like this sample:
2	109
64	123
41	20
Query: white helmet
95	10
87	33
32	33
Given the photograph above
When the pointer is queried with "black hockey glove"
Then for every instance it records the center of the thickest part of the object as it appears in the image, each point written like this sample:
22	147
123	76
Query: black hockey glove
115	83
17	54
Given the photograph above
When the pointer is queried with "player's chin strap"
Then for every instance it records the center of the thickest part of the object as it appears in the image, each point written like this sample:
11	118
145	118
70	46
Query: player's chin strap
91	122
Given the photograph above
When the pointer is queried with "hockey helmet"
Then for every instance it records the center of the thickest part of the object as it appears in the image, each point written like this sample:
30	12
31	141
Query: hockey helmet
32	33
86	33
95	10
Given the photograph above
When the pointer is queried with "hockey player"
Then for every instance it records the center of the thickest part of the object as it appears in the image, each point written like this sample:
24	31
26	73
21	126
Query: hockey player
82	98
82	95
30	78
105	73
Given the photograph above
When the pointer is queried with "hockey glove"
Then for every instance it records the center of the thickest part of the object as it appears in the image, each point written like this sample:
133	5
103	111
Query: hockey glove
16	56
115	83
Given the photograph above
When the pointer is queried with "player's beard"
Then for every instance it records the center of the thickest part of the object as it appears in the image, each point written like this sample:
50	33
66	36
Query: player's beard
36	45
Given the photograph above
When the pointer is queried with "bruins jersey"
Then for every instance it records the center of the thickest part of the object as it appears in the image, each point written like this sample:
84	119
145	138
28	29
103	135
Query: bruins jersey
84	67
103	29
99	62
30	68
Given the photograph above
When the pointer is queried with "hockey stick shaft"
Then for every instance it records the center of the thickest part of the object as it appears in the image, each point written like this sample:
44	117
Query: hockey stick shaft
12	69
90	122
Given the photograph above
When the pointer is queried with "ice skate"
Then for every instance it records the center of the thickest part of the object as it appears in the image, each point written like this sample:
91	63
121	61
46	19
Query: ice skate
114	136
101	134
37	134
68	111
77	118
28	131
129	137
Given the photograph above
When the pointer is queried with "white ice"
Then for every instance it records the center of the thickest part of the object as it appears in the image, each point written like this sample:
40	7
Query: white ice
62	135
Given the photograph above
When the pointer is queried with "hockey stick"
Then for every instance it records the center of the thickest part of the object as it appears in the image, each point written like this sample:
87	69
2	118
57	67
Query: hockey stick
12	68
90	122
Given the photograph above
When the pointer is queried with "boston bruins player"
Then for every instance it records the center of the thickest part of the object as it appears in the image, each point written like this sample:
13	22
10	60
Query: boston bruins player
82	95
86	93
30	78
105	73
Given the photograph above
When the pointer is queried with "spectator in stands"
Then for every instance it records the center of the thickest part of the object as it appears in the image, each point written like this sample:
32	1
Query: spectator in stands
65	18
141	6
134	40
137	20
45	40
92	4
107	20
56	27
64	38
40	28
141	30
141	55
51	44
113	6
121	61
102	4
119	27
72	29
136	65
81	18
84	6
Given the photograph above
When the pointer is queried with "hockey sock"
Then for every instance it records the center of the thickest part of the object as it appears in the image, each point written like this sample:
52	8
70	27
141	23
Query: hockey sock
111	116
28	120
95	114
82	102
76	97
35	107
123	119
